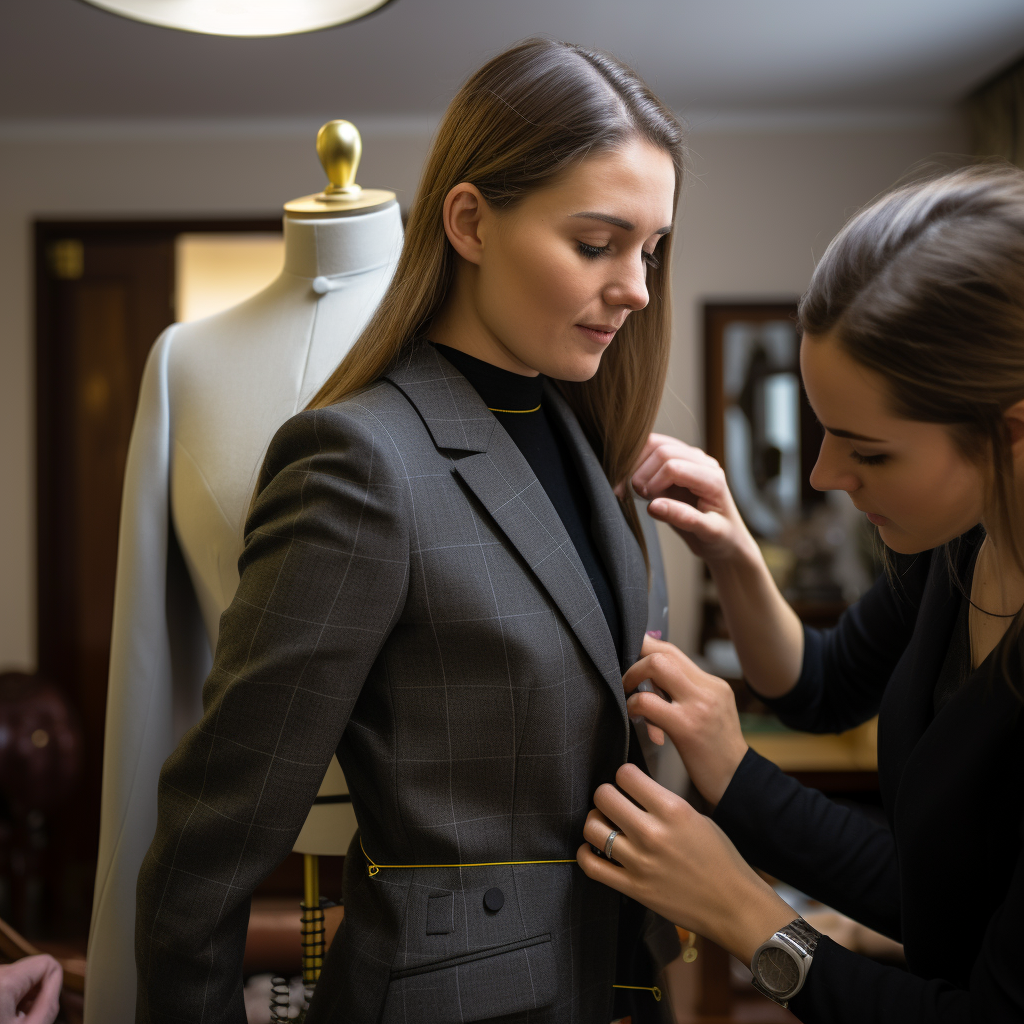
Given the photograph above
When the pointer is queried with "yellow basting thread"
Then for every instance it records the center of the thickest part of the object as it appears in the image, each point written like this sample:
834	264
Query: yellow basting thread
373	868
653	989
512	410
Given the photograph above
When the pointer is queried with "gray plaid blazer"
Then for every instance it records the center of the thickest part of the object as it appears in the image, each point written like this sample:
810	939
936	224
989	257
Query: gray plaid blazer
410	599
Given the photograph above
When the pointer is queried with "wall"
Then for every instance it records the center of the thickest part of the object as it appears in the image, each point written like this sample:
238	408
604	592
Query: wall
766	196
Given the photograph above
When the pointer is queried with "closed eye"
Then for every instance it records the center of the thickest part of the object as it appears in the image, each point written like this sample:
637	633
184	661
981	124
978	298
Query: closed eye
592	252
868	460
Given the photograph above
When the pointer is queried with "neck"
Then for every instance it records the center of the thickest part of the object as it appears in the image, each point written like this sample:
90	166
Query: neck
459	325
331	246
998	573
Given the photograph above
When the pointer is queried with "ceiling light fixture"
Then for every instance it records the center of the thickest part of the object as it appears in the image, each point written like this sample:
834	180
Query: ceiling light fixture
242	17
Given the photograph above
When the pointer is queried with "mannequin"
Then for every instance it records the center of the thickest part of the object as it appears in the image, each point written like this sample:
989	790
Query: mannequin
213	394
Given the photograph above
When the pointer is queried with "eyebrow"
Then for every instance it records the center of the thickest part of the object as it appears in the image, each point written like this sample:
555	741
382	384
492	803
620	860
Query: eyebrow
618	221
836	432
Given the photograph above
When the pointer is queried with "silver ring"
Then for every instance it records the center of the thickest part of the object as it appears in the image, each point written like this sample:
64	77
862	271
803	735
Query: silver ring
608	844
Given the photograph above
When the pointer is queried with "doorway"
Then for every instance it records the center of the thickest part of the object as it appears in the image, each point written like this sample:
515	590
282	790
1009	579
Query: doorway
104	293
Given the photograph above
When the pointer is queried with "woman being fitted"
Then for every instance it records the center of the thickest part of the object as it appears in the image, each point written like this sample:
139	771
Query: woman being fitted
443	581
913	361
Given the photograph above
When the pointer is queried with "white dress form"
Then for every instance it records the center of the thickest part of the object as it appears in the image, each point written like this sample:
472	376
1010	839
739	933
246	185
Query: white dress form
213	394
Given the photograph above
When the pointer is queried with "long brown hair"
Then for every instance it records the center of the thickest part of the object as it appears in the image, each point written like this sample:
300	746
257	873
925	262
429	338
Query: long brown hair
524	118
925	286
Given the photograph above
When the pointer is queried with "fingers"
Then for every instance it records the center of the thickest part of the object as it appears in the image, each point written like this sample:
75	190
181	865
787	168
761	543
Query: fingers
686	518
655	734
658	450
656	712
598	828
654	798
704	480
47	1001
34	979
652	644
618	810
603	871
665	668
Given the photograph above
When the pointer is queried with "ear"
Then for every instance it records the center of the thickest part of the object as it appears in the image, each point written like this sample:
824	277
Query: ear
464	213
1014	417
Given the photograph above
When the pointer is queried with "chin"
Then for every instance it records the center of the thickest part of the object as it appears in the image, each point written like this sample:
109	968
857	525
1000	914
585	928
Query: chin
903	543
577	369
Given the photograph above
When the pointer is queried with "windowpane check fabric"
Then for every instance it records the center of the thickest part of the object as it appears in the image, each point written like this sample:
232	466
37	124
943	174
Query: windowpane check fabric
410	599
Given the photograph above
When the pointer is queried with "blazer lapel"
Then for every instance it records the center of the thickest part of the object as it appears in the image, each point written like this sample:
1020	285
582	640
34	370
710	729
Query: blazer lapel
499	476
615	541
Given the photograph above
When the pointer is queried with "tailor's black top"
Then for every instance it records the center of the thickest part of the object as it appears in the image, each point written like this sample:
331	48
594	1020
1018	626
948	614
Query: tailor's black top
945	874
517	402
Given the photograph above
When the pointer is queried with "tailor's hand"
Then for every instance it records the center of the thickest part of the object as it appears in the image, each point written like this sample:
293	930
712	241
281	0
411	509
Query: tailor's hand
680	864
30	990
700	717
656	735
687	489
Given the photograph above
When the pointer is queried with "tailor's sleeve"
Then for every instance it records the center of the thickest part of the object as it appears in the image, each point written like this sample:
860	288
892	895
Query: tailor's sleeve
835	854
845	988
323	579
845	669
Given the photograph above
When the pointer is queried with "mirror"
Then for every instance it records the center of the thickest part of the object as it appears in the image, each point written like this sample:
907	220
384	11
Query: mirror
764	433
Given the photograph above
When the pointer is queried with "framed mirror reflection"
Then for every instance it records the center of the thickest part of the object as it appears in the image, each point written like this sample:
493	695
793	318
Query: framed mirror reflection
763	431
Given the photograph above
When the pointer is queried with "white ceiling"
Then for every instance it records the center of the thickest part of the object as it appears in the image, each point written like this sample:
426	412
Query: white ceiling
66	59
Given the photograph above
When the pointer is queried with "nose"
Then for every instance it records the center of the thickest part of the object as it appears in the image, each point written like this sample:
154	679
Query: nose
830	473
628	286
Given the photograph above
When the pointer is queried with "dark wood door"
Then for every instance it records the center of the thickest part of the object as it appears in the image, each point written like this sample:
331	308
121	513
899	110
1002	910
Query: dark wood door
104	292
103	300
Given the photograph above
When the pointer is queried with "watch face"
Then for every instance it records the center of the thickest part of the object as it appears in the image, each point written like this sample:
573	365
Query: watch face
777	970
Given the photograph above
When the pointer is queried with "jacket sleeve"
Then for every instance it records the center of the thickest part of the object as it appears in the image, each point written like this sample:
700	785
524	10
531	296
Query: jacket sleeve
850	863
845	669
845	988
323	579
833	853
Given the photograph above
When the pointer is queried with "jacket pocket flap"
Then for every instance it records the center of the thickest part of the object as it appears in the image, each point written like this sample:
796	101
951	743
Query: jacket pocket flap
492	982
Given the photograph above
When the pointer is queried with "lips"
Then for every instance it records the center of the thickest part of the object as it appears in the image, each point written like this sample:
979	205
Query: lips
602	333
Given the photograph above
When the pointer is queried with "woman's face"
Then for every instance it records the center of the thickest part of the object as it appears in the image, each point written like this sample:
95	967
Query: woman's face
909	477
556	276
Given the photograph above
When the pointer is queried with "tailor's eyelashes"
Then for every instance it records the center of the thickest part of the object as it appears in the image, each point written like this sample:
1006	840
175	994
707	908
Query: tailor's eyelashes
868	460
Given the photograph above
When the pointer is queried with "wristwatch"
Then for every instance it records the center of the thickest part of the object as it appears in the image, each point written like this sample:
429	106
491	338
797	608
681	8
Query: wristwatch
780	965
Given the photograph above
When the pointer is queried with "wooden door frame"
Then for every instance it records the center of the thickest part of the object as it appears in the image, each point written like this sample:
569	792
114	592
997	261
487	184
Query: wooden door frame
47	231
55	605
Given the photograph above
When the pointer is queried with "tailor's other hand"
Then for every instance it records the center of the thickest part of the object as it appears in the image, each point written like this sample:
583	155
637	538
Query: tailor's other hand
700	716
656	735
30	990
687	490
679	863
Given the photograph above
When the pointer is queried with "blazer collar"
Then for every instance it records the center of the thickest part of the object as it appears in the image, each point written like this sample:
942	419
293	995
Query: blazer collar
498	474
451	409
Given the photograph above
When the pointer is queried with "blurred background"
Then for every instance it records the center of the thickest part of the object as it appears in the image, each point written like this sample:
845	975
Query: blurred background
142	173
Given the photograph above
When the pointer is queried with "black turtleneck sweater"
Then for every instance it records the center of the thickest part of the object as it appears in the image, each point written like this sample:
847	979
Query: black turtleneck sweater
517	402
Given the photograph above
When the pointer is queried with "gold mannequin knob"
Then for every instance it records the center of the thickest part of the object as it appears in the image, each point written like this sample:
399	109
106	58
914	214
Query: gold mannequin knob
339	147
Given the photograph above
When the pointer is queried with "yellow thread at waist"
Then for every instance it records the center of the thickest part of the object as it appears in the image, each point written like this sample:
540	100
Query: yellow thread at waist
653	989
511	410
373	868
